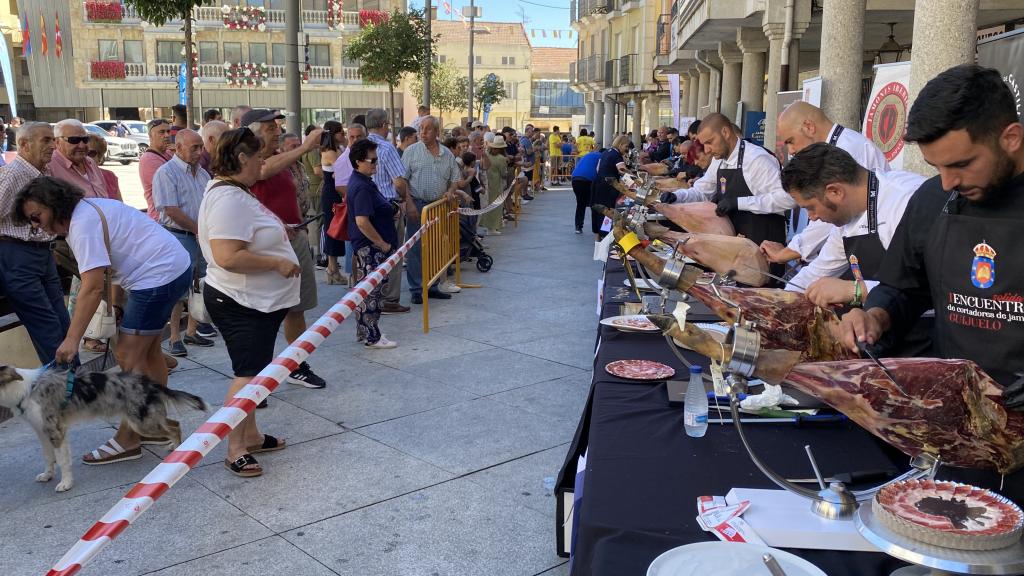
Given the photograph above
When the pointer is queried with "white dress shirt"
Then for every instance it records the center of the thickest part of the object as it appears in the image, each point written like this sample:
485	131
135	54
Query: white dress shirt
811	236
894	191
761	172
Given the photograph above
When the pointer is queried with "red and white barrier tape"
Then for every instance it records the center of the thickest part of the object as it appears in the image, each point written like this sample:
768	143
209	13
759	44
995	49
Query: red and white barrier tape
216	428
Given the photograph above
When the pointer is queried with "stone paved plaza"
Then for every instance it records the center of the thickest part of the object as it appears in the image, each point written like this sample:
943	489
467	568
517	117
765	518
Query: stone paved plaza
434	459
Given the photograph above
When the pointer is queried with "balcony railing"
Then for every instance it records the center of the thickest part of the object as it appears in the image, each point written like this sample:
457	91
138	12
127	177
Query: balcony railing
627	70
113	11
591	70
610	67
664	34
572	73
538	111
115	70
350	73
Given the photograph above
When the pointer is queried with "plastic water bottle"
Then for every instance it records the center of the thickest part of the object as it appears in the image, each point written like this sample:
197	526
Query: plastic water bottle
695	409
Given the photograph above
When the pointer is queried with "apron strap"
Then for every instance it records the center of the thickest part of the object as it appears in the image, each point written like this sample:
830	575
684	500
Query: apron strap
872	203
836	131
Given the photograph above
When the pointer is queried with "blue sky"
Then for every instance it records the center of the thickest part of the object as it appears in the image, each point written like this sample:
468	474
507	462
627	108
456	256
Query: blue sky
542	14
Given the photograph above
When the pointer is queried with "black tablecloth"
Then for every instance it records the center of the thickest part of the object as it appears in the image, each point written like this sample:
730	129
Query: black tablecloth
644	474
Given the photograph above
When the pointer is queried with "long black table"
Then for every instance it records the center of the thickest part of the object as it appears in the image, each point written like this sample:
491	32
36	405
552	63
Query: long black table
644	474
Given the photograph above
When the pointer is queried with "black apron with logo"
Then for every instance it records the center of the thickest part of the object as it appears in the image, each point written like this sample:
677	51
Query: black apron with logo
869	252
974	265
756	227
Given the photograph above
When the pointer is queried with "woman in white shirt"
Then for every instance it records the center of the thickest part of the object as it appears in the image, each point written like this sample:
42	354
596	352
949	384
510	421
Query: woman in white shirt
144	259
251	281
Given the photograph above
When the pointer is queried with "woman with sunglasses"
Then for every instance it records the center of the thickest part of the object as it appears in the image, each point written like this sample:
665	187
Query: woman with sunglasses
109	237
97	152
252	279
371	226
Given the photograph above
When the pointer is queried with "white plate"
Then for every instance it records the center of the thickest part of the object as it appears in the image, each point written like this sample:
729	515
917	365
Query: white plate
726	559
617	322
644	284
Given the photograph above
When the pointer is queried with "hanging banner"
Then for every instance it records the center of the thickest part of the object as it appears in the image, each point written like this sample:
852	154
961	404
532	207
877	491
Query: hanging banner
1005	53
673	91
5	68
885	120
812	91
753	126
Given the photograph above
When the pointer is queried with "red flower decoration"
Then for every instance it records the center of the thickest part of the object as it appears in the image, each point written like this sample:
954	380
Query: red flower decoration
368	17
108	70
103	11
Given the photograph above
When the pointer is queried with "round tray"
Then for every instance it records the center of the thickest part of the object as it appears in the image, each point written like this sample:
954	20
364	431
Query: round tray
1005	561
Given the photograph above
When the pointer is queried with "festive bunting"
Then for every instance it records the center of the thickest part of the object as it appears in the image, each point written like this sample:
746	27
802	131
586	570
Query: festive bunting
42	34
447	7
534	32
58	47
26	40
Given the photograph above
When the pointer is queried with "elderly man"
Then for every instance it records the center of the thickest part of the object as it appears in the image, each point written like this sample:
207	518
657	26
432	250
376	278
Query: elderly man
71	160
277	191
390	180
430	173
210	133
178	188
422	112
28	273
158	153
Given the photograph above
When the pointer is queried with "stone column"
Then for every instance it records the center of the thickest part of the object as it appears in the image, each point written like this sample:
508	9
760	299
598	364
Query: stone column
652	106
609	121
794	65
732	72
944	36
842	59
588	117
715	82
774	28
703	91
692	91
598	120
753	45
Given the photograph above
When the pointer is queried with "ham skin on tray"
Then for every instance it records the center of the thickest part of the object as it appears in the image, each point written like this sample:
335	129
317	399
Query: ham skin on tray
947	408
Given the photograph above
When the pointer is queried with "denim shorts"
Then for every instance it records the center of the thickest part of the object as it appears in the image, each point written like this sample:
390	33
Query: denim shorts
147	310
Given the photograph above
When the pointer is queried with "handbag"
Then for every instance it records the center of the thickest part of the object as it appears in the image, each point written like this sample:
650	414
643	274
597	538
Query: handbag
196	303
339	222
103	325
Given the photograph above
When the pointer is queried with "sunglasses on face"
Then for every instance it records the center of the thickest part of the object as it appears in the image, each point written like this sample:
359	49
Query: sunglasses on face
370	160
76	140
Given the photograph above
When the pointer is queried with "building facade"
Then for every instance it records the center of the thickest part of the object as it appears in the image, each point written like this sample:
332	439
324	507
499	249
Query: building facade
553	102
112	64
615	67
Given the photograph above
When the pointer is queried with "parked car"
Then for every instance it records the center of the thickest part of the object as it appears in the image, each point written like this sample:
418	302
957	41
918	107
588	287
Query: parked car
122	150
136	131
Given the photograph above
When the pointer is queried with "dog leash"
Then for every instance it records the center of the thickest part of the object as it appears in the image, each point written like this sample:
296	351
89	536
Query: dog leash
69	381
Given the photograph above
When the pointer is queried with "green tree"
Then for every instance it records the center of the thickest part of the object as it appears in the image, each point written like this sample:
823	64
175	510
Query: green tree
490	90
448	89
389	50
159	12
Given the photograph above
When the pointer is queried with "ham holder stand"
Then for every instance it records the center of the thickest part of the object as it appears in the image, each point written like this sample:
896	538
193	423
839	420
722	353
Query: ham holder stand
831	502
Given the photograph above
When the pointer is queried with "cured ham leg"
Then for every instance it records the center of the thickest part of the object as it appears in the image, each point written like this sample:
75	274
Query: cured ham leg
652	263
728	255
697	217
947	408
786	320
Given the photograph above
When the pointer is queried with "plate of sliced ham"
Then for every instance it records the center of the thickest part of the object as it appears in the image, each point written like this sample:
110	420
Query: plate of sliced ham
640	370
631	323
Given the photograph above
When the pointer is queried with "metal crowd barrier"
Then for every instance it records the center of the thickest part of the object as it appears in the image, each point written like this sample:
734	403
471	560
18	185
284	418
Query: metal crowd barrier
439	248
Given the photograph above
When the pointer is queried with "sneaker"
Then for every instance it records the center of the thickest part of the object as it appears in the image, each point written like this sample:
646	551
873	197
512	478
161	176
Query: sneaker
527	197
177	349
382	344
449	287
197	340
393	308
579	230
494	232
263	404
206	330
304	376
417	298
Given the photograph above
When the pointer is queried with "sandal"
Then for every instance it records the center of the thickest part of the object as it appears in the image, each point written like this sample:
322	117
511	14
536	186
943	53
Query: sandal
270	444
95	346
245	466
111	452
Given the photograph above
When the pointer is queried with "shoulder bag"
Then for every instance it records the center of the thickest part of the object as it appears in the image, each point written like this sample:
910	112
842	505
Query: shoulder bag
103	325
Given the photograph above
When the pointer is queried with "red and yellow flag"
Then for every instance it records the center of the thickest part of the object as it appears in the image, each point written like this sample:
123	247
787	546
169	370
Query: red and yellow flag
42	34
58	47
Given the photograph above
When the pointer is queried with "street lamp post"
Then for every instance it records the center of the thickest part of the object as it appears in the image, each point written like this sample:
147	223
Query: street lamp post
471	12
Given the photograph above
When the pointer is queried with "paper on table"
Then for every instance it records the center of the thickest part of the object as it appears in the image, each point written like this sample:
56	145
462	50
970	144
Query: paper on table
602	248
600	295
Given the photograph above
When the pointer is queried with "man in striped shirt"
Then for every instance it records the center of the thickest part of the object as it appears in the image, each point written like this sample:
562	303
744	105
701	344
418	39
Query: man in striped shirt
28	273
390	180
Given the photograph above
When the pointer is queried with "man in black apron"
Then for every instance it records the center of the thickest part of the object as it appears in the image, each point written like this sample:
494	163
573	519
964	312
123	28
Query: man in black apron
834	188
744	175
957	248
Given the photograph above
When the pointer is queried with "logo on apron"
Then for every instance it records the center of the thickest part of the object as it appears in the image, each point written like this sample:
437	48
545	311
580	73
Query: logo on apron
721	186
983	268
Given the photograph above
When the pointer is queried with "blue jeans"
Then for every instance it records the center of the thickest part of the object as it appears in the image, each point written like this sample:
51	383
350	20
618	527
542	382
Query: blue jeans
28	279
414	258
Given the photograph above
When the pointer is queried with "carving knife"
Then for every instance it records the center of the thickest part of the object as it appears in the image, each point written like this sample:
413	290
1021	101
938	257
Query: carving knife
866	349
773	276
